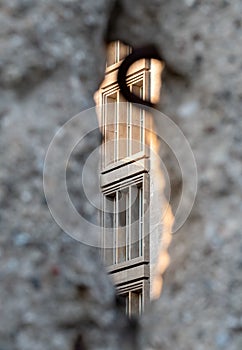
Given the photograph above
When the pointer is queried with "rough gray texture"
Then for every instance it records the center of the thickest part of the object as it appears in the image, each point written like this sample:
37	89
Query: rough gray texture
52	60
50	285
201	303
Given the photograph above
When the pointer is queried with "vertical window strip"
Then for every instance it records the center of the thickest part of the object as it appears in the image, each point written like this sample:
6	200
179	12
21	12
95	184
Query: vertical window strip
129	224
103	225
129	297
140	302
142	126
111	128
128	129
118	122
116	131
105	131
127	304
126	230
142	129
117	44
130	125
139	90
140	221
117	155
129	121
133	297
108	226
114	226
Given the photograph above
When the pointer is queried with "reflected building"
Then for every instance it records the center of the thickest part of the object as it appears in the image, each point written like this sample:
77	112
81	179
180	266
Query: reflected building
131	181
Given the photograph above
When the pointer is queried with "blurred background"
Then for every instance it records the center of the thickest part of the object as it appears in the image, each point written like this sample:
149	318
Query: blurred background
52	61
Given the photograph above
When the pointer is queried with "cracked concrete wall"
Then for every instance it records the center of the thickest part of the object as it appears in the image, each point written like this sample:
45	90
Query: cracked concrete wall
52	61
